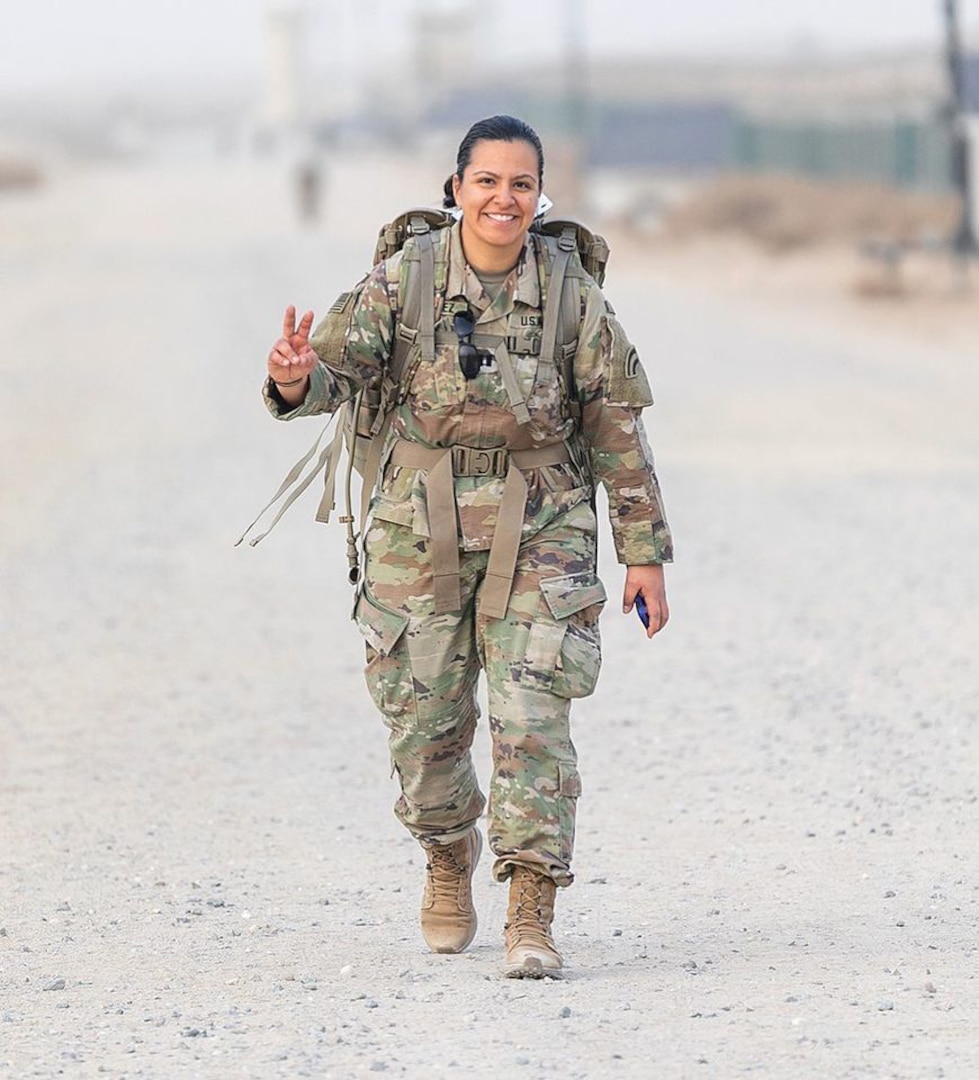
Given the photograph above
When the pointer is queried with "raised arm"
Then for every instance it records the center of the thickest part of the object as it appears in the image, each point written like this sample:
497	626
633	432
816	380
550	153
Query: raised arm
292	358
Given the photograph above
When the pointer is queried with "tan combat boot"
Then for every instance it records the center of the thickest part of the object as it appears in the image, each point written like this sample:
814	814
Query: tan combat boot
448	917
530	949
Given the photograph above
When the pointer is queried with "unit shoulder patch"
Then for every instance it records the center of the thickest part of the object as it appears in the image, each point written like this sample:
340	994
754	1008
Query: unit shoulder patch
626	382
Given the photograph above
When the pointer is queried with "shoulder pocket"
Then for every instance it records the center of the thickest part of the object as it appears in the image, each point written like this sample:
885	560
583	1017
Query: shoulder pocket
626	382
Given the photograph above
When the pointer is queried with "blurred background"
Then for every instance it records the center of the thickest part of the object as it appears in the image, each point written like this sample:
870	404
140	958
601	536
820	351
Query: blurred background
641	108
786	187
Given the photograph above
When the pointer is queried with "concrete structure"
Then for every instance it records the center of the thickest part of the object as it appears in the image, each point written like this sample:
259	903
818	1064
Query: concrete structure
284	107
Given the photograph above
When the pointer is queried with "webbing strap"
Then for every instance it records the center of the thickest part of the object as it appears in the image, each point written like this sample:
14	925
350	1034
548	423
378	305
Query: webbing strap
443	520
495	594
555	287
372	469
328	498
291	478
518	403
444	528
426	287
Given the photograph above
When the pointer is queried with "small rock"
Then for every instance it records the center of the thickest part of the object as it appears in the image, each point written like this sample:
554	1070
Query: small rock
890	894
886	1006
378	1066
54	984
930	988
616	933
370	1003
521	1059
565	1013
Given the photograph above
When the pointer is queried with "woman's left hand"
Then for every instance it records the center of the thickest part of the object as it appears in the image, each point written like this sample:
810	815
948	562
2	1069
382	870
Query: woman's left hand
649	582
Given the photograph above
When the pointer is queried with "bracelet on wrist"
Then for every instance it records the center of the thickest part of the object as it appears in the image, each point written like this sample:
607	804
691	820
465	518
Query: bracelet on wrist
292	382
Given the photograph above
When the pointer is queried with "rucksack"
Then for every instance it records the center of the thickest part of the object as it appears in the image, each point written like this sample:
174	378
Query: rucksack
568	252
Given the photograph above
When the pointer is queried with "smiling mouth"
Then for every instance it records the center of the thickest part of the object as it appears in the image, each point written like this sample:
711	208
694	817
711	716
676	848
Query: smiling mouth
502	218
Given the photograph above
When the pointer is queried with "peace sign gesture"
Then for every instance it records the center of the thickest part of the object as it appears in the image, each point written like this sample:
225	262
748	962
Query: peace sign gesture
292	357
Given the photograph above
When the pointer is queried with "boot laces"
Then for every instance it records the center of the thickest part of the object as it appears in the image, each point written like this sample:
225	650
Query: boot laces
445	867
528	915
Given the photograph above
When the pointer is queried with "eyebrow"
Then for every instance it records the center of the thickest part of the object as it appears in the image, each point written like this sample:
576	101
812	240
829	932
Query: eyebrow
496	176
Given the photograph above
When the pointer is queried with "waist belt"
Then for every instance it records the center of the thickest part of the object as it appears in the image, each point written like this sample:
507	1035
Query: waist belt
443	465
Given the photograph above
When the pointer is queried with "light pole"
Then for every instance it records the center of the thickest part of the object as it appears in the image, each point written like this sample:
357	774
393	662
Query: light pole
576	100
964	240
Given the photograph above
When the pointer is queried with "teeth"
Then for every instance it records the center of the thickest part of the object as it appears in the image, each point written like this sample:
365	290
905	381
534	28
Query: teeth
501	217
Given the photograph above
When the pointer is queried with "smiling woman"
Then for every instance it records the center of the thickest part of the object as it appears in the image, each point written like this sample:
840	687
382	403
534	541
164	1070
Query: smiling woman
496	185
480	549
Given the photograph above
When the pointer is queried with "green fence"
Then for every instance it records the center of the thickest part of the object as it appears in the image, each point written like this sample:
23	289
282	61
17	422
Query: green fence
903	153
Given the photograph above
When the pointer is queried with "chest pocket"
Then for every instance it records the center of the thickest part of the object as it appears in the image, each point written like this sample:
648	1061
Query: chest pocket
436	385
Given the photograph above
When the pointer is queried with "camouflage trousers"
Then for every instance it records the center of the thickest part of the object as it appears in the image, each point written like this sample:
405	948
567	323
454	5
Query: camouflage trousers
422	671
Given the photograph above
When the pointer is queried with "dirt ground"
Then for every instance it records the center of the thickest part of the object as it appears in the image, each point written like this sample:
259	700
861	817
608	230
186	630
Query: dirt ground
200	874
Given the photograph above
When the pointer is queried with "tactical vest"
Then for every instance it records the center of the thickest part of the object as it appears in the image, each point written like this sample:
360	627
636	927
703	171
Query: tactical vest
567	254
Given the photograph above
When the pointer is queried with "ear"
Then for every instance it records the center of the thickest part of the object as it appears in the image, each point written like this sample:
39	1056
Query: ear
456	187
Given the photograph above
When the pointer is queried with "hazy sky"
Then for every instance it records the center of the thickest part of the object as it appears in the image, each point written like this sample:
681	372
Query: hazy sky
50	45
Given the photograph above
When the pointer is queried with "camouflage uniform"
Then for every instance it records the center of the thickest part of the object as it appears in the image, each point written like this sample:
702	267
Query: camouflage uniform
423	665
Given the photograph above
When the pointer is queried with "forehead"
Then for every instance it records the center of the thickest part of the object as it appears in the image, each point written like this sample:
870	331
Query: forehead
504	158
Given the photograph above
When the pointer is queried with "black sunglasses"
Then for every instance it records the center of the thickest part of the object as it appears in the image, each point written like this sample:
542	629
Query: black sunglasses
470	358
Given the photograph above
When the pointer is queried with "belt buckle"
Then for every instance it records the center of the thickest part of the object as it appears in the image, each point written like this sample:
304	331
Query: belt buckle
471	461
481	462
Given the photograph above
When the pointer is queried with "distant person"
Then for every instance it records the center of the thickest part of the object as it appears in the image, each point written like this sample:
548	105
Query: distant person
481	545
309	184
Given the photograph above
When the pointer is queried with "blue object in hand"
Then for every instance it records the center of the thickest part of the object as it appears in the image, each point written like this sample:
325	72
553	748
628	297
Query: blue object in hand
642	611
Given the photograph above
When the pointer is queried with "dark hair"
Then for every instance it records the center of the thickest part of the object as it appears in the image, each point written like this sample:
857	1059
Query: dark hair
493	129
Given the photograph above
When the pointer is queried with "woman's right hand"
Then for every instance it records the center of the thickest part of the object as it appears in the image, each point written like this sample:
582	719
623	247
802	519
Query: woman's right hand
292	357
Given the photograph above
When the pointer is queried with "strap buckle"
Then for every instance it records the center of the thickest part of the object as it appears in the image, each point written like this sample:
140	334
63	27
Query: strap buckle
471	461
568	240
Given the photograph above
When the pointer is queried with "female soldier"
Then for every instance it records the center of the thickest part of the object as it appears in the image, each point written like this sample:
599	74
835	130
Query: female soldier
481	544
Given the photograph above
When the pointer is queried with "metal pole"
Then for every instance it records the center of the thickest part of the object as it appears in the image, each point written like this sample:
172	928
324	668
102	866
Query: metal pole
575	95
964	240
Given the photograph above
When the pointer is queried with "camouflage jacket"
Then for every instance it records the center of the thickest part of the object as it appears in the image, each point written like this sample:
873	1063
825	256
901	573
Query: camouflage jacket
441	408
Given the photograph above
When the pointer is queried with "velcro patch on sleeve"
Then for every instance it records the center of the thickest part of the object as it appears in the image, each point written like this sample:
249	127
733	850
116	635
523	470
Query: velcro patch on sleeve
341	303
626	382
329	336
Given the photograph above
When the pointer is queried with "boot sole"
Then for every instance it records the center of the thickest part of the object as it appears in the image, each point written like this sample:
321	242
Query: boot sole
532	968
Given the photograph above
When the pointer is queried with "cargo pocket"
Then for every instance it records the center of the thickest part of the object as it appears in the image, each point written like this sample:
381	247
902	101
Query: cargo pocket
388	672
564	652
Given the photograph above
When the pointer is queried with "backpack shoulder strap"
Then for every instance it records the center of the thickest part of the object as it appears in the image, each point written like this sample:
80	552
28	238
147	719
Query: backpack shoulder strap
420	235
574	253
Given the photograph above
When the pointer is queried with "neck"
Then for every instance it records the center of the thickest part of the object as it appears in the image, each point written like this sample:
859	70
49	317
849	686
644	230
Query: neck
487	258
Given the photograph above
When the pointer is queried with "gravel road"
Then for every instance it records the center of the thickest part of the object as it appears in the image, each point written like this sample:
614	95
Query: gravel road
200	874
